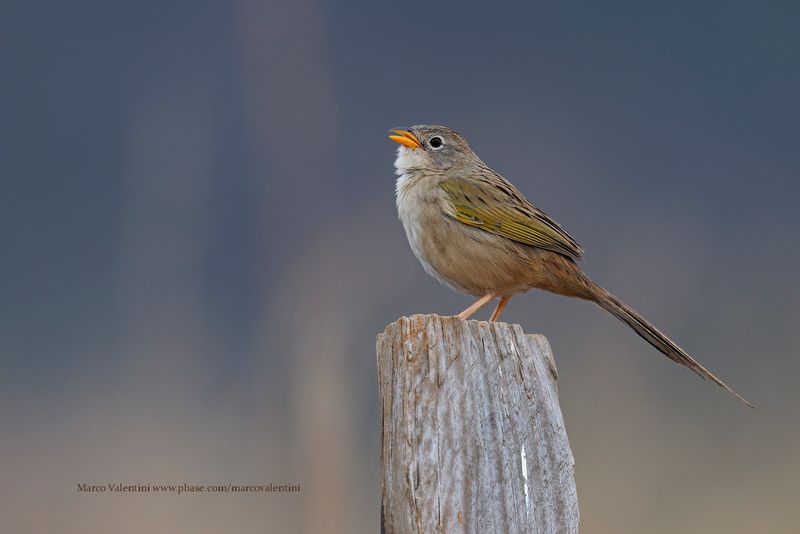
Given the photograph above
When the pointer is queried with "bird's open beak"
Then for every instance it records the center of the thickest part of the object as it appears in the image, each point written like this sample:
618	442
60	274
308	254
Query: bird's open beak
405	138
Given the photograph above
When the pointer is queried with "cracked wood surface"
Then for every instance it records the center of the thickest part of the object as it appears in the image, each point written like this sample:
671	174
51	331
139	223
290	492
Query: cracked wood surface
472	437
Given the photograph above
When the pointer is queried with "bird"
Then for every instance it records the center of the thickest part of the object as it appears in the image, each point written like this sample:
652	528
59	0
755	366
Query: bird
475	232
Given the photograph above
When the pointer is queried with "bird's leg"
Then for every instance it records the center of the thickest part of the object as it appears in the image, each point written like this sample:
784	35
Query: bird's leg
499	309
480	303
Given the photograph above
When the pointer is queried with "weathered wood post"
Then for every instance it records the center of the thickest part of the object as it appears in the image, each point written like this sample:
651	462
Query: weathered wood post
472	437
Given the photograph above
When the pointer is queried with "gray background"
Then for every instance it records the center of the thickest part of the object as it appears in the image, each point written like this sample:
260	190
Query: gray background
199	243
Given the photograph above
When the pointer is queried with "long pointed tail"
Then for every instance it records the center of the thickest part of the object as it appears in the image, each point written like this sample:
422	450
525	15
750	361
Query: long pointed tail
653	335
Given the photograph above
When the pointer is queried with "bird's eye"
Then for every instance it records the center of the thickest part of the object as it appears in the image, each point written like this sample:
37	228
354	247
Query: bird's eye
436	142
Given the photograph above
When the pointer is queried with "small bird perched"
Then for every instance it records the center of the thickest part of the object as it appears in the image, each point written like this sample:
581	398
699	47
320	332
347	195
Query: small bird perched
475	232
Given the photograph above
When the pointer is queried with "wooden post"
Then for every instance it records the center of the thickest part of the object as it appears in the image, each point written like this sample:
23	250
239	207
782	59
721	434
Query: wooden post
472	438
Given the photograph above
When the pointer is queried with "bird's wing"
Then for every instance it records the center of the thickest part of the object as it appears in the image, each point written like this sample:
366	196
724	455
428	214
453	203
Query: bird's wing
494	205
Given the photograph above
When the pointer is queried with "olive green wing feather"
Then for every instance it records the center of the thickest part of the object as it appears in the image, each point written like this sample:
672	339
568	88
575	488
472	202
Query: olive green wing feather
494	205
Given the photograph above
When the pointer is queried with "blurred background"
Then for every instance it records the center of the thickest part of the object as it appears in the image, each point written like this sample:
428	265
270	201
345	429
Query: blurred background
198	245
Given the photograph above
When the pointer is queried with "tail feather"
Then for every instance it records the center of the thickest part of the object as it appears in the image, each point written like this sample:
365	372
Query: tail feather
654	336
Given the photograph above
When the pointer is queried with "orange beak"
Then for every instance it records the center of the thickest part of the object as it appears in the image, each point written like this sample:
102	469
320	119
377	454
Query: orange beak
406	138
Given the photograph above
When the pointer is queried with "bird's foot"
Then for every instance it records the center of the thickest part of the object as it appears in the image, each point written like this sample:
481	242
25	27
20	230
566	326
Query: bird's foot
477	305
498	310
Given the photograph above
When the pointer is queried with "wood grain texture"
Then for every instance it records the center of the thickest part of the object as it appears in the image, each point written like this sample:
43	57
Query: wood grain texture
472	437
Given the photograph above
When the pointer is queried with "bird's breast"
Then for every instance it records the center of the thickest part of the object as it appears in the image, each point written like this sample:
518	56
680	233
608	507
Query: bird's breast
466	259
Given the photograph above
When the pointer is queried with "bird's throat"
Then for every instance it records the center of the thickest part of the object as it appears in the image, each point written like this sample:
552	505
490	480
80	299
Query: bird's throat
409	160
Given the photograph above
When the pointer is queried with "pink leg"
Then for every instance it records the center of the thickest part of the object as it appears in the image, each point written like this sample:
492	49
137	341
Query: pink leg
499	309
480	303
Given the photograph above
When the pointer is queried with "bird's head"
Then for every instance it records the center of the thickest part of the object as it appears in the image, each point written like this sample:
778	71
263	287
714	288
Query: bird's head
426	147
